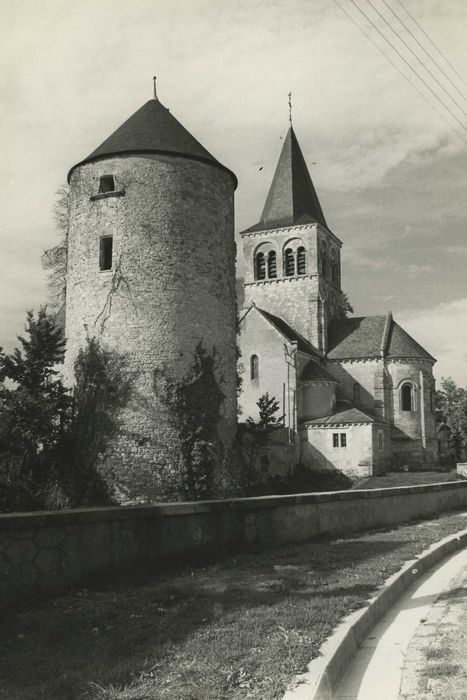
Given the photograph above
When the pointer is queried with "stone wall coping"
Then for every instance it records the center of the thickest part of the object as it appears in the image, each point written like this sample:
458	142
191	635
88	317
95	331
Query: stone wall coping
11	521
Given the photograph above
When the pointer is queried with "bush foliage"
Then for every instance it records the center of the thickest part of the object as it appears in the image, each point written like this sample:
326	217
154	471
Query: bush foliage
103	388
193	406
50	437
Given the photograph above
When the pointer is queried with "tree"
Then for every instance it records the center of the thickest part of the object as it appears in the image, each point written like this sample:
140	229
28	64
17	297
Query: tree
268	422
54	260
35	405
261	429
451	413
344	308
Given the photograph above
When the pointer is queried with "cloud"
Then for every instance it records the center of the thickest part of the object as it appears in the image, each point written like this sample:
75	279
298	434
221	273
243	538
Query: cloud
455	249
442	330
355	256
415	269
389	172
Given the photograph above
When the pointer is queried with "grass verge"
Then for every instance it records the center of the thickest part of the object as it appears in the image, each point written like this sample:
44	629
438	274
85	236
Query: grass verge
394	479
232	630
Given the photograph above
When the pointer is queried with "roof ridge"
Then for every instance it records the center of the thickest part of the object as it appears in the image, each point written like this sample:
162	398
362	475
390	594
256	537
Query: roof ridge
386	332
271	318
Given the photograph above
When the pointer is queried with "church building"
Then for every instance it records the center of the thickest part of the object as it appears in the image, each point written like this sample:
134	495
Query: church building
357	394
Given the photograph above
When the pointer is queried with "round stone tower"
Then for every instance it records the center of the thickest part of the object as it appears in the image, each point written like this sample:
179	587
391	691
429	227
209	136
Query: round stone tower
151	273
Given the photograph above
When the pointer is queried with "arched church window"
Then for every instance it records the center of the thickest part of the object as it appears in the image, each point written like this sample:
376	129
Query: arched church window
407	397
324	263
254	367
289	262
272	264
260	266
301	261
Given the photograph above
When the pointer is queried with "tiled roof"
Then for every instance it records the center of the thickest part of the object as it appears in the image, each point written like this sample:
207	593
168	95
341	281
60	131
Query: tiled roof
401	344
152	129
345	413
292	198
289	333
313	372
365	336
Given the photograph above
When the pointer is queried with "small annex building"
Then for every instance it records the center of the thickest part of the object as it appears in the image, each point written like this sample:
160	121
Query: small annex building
357	394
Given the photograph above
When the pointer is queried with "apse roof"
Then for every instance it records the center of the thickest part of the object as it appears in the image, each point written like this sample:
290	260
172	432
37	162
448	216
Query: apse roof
369	336
152	129
292	198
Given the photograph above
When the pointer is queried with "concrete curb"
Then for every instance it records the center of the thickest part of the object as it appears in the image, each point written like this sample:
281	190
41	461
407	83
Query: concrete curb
325	672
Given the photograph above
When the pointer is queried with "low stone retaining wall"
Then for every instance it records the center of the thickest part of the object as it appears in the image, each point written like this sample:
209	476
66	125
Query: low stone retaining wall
48	552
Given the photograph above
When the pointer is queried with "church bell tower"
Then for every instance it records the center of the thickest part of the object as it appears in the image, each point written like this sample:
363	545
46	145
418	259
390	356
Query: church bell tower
292	259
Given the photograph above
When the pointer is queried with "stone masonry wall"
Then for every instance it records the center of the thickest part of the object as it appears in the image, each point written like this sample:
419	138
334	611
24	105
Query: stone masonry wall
296	299
380	382
351	372
258	337
44	553
172	286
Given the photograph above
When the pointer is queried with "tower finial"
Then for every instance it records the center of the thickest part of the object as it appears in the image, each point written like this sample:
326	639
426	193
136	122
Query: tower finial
155	89
290	108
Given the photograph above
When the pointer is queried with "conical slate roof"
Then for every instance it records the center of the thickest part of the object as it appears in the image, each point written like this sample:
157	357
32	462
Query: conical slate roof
152	129
292	198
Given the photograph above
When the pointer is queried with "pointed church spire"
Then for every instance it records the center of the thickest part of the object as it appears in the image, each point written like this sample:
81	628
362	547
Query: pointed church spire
292	198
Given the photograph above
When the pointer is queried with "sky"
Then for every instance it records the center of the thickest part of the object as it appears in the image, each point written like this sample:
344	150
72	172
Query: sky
389	169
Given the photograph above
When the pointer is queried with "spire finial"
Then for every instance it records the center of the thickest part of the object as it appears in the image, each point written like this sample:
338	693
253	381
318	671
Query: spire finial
290	108
155	89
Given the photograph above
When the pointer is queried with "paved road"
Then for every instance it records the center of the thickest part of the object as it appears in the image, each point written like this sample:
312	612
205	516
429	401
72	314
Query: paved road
435	665
418	651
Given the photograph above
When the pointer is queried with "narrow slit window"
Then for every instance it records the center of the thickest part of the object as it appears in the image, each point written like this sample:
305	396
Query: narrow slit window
106	184
272	264
343	440
324	264
334	272
381	441
335	439
289	262
356	394
105	253
406	397
254	367
260	267
301	261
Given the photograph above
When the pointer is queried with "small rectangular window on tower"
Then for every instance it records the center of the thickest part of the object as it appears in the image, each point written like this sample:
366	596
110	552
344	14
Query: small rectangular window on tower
343	440
106	184
335	439
105	253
